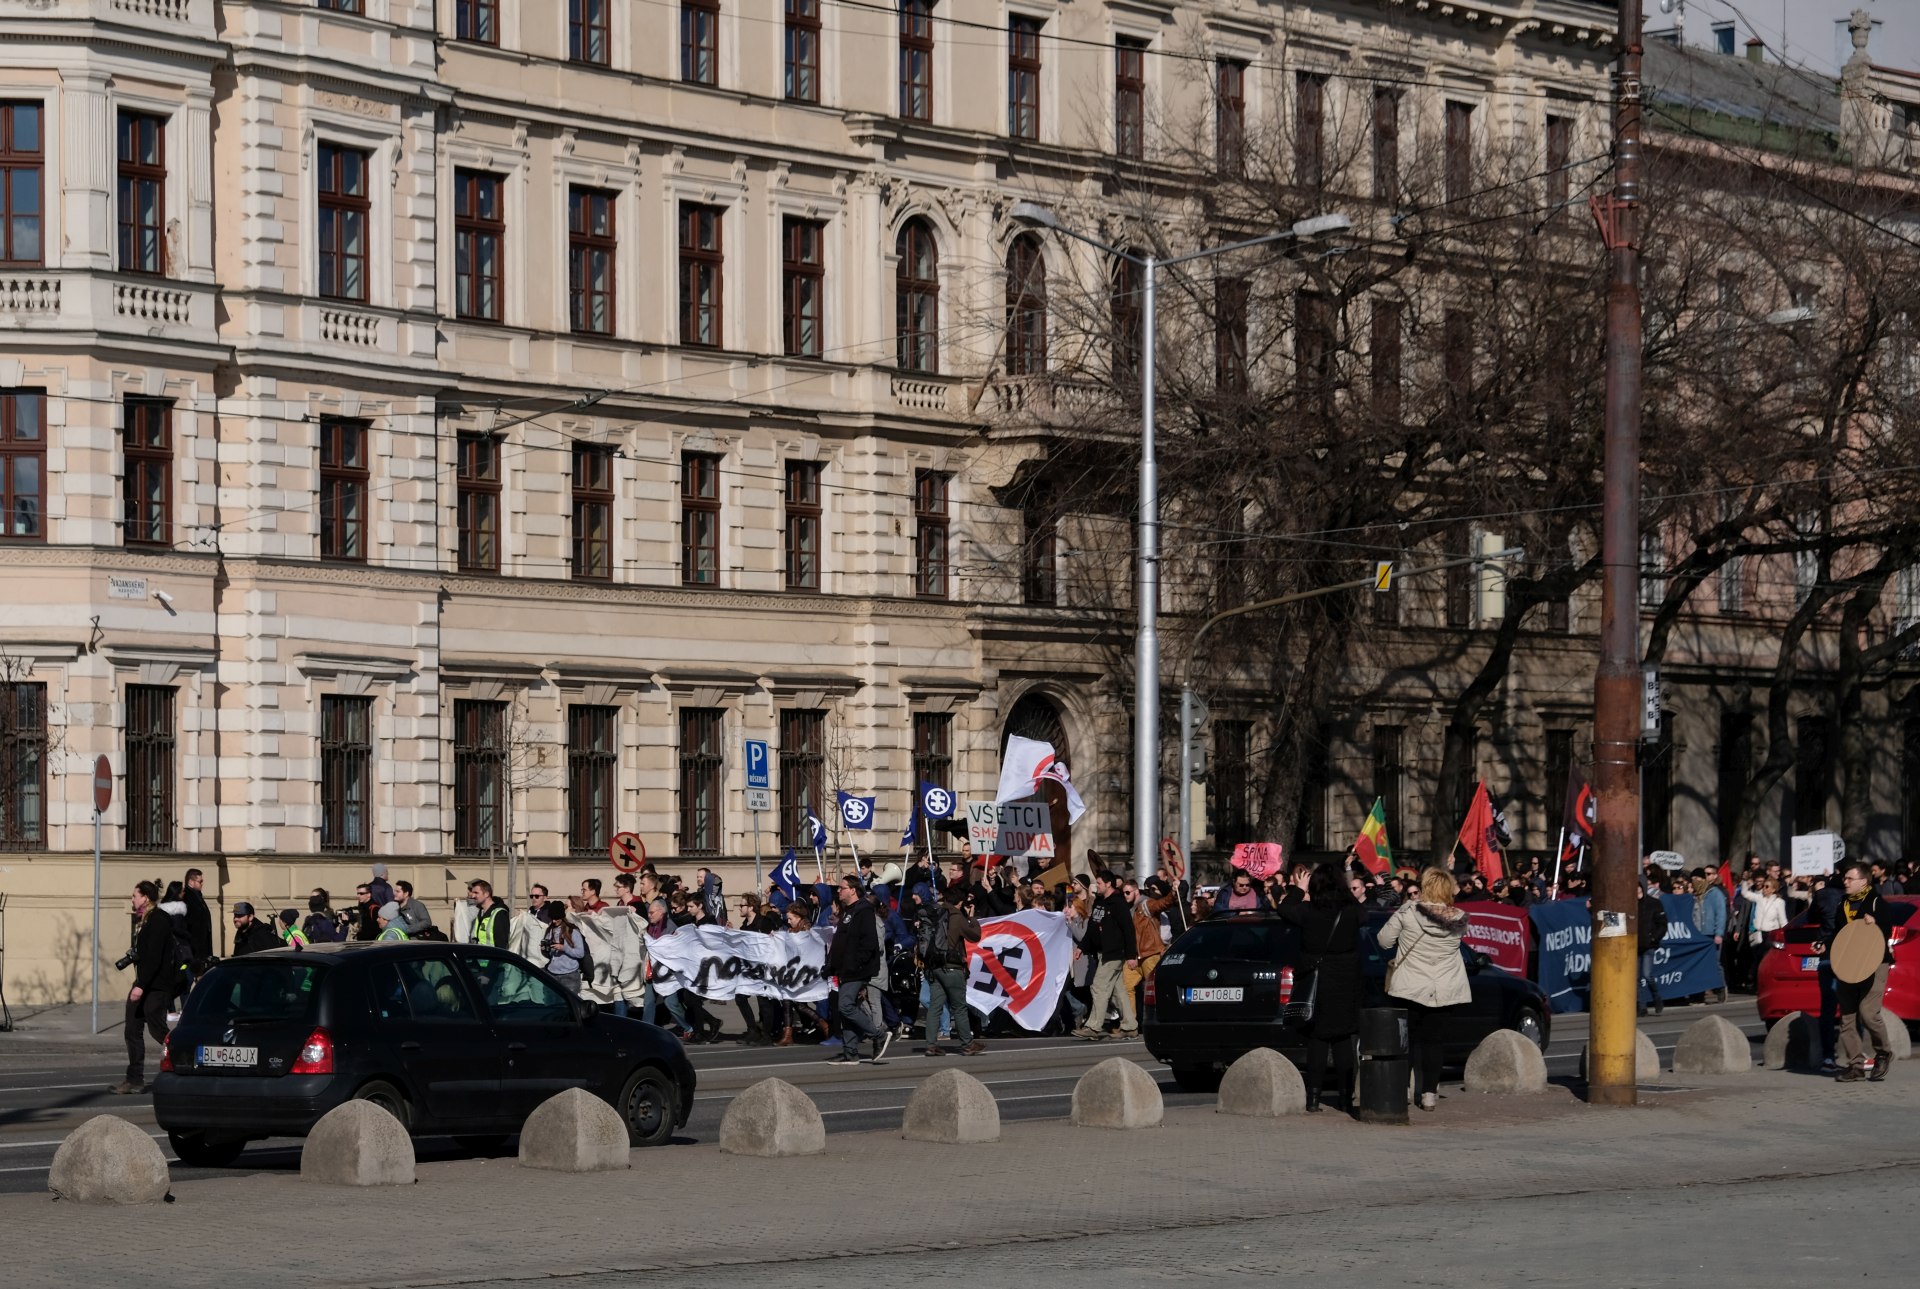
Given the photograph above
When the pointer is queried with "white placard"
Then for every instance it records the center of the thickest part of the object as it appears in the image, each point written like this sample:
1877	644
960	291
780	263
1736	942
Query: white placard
1671	860
1015	829
1815	854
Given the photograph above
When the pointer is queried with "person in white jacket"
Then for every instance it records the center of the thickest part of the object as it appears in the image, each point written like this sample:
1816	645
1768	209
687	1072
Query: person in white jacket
1768	914
1428	973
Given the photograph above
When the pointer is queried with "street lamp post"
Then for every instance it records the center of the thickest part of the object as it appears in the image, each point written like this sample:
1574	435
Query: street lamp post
1146	645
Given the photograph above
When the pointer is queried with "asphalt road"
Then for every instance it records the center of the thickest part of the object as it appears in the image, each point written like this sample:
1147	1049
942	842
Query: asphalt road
45	1096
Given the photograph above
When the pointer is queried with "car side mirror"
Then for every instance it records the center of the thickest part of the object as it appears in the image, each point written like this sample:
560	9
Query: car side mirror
1476	961
588	1009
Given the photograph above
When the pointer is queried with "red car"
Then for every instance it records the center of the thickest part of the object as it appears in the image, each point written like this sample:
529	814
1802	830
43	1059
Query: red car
1790	971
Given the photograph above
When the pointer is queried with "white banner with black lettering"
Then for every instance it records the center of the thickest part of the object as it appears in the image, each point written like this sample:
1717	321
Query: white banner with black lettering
716	962
1020	963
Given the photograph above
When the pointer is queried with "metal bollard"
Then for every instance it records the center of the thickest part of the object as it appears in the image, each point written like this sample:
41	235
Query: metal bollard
1385	1071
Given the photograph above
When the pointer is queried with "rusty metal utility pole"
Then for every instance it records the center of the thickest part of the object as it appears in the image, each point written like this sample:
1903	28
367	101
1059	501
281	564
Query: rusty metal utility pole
1616	689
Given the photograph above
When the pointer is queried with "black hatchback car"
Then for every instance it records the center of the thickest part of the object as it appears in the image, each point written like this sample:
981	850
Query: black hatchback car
451	1039
1218	990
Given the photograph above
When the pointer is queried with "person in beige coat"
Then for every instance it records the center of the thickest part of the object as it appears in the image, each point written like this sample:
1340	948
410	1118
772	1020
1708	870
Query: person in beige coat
1428	973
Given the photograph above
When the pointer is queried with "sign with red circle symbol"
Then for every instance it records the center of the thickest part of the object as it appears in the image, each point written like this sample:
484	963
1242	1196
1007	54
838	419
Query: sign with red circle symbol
627	852
1020	963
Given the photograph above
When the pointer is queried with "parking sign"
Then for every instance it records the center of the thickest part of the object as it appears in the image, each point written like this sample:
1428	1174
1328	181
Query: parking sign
757	764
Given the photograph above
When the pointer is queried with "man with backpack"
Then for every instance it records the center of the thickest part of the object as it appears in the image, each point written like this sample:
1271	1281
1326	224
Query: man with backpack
944	936
1653	929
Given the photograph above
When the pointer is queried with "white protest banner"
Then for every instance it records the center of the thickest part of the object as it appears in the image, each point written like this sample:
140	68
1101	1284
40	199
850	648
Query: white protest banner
1020	963
1815	854
1671	860
1015	829
616	962
716	962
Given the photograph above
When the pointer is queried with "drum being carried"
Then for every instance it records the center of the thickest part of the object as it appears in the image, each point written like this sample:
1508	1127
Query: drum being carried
1857	953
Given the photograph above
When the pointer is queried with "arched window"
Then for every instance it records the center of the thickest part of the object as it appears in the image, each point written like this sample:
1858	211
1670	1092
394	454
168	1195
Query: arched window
1129	301
917	297
1026	307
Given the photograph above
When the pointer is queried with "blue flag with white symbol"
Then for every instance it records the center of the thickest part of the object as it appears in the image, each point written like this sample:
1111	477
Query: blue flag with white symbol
856	812
786	878
816	830
936	802
908	837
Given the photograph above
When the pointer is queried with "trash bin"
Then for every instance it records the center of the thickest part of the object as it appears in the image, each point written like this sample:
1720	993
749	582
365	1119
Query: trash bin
1385	1071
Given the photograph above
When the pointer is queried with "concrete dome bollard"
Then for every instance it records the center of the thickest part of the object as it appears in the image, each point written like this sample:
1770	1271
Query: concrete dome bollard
358	1144
1116	1094
1263	1085
1507	1063
952	1108
1646	1059
774	1120
1793	1043
574	1132
1713	1045
107	1160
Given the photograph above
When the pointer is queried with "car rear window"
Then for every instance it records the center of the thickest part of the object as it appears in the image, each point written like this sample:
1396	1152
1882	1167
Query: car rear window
260	992
1237	941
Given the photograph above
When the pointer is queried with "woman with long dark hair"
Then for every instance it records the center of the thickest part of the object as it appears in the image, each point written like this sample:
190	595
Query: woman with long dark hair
1320	904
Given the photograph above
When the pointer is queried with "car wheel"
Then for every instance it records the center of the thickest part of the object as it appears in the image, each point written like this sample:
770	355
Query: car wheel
1197	1078
485	1143
388	1098
647	1105
1531	1027
197	1150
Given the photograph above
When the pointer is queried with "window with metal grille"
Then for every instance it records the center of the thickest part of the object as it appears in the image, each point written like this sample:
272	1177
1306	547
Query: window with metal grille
343	6
1384	360
22	182
701	764
1129	306
1457	162
1313	353
344	484
1463	588
143	193
803	525
803	774
1812	770
590	31
150	744
345	212
1309	129
1230	116
803	291
1026	307
593	756
1310	829
477	488
1390	778
479	776
933	763
1736	765
1559	764
930	522
1229	779
1023	77
916	60
1039	548
477	20
1559	155
916	286
701	262
23	464
591	248
346	773
699	519
700	42
147	487
1129	97
1656	788
803	51
1456	355
23	765
1230	335
479	246
592	512
1386	144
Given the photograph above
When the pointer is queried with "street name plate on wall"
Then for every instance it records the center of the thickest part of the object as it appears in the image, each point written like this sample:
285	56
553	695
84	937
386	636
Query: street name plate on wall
126	588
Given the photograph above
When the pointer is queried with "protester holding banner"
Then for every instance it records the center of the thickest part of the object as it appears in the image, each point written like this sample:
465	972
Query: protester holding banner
1428	973
1328	917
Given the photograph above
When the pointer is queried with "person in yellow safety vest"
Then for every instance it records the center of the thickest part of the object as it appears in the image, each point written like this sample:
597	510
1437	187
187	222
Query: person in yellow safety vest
288	925
390	928
493	925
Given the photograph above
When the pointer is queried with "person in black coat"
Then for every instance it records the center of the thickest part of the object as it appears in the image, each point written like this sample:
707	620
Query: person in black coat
853	959
147	999
199	922
1322	906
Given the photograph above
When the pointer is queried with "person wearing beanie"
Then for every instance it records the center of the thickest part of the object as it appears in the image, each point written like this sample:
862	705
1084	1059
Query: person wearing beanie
380	888
289	928
250	935
390	927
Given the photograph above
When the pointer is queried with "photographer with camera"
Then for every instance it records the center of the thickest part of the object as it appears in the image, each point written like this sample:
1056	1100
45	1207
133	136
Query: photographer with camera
563	947
250	934
153	958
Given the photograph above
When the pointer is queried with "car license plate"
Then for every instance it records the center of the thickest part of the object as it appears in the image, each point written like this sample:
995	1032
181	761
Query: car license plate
1809	964
1232	995
238	1058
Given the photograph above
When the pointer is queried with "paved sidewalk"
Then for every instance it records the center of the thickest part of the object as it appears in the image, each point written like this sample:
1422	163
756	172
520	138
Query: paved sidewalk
66	1028
689	1207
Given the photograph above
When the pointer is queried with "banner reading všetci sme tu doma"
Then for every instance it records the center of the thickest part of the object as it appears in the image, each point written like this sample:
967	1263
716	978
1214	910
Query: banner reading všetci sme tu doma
1019	963
1686	962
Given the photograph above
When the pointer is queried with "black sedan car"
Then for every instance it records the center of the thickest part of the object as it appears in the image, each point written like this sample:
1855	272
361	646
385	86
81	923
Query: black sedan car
451	1039
1218	990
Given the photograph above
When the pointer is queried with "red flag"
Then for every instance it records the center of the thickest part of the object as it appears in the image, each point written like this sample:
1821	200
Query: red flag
1477	835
